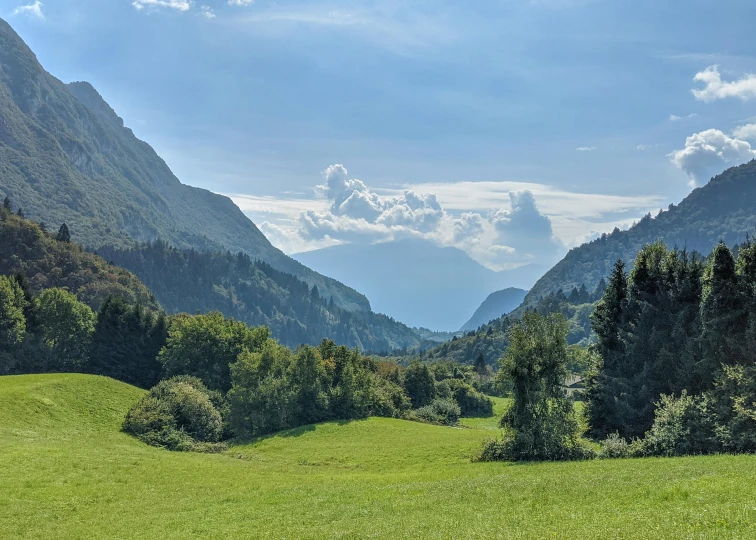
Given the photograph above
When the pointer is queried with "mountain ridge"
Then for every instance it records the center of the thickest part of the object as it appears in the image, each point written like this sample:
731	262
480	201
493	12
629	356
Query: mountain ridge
66	156
722	209
497	304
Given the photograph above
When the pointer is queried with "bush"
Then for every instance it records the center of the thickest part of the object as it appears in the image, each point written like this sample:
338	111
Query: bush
470	401
682	426
616	447
444	412
518	446
177	414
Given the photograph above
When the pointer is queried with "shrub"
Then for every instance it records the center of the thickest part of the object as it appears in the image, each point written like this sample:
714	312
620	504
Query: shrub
444	412
682	426
177	414
519	446
470	401
616	447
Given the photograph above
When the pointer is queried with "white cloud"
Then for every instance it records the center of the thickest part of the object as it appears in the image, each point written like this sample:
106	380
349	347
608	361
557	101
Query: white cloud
747	132
179	5
461	222
708	153
356	212
524	228
675	118
468	227
33	10
207	12
715	88
240	2
586	148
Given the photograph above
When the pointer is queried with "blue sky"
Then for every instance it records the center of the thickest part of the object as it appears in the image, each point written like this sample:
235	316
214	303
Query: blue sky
448	113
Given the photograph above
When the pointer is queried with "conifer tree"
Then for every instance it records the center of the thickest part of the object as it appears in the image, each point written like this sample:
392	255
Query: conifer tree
723	318
63	234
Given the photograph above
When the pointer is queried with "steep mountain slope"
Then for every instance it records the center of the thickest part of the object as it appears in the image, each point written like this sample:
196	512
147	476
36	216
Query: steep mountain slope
416	281
26	249
65	156
723	209
256	293
497	304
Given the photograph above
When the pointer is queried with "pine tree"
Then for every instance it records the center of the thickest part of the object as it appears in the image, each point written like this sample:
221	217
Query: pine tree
63	234
7	204
603	384
723	318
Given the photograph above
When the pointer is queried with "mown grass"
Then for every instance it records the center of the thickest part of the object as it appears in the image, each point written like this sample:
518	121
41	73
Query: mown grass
67	472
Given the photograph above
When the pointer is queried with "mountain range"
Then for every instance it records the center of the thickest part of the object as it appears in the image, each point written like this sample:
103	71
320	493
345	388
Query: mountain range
66	156
416	281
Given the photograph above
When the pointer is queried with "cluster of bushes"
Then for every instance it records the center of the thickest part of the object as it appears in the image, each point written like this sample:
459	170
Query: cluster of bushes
179	413
444	412
433	388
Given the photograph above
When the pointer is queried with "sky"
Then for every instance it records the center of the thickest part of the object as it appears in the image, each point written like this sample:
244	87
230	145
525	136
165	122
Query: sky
513	129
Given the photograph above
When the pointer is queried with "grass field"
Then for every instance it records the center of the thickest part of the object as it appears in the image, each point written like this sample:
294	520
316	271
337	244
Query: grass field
67	472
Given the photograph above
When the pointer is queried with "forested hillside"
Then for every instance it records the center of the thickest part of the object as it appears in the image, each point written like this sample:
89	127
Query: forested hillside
256	293
490	341
28	249
497	304
724	209
65	156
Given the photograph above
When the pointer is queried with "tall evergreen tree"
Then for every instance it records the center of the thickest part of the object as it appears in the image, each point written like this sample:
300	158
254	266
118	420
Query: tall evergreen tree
723	317
63	234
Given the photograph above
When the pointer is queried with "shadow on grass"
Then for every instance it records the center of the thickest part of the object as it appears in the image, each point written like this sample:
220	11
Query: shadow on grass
291	433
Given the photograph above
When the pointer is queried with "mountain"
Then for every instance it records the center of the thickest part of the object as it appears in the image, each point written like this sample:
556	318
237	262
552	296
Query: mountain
497	304
65	156
723	209
416	281
256	293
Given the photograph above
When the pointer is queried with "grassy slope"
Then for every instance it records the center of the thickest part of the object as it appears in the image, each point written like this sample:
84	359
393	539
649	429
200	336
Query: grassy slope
69	473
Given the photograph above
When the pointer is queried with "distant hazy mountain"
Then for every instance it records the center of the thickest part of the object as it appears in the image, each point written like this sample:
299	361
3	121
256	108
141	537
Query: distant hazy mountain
723	209
416	281
497	304
65	156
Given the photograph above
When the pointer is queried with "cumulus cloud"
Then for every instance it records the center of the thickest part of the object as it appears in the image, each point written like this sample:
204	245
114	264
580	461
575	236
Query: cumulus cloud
747	132
178	5
33	10
715	88
468	227
356	212
708	153
523	227
586	148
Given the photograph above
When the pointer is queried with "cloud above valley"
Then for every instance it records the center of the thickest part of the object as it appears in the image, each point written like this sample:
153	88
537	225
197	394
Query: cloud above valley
499	224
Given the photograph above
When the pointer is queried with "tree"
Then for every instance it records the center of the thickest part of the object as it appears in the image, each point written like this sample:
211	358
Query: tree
602	386
306	375
419	384
63	234
723	317
541	423
206	345
13	304
125	344
480	365
7	204
66	326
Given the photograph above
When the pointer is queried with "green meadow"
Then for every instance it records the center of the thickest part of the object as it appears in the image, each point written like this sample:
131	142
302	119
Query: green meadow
68	472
